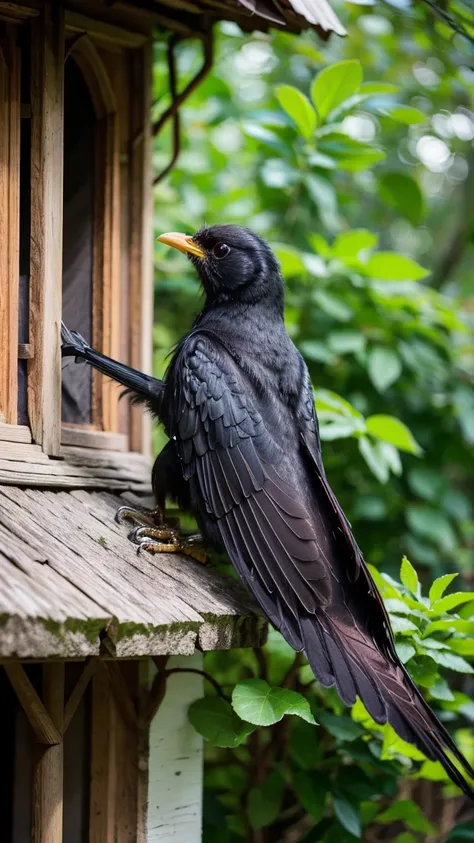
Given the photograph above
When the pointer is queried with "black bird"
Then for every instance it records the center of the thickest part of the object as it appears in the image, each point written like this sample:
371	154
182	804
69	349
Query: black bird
244	457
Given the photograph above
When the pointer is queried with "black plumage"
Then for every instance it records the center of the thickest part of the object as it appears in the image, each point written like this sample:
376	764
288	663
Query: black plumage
244	456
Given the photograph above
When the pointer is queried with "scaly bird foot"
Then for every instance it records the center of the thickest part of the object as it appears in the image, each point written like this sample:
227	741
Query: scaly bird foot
169	540
141	515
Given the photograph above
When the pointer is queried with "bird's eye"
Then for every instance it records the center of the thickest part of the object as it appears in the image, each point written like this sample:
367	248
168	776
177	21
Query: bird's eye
221	250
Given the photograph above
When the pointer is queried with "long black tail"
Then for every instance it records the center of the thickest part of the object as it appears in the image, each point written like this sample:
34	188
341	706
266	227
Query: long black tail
144	387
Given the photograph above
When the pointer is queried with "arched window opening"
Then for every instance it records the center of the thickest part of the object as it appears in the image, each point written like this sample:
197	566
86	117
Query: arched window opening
78	235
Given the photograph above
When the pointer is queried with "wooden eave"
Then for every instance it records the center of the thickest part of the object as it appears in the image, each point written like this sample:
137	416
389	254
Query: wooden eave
73	586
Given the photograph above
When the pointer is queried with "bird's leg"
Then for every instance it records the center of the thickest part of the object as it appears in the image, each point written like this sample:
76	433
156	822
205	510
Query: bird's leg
140	515
169	540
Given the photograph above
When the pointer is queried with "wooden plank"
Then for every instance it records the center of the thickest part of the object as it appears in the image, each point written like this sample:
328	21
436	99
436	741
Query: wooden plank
47	83
176	755
141	305
78	691
101	818
122	695
100	439
14	433
22	452
106	33
48	782
44	723
19	10
9	225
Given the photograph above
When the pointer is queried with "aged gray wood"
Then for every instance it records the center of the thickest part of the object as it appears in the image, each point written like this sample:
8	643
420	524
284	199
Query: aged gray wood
71	584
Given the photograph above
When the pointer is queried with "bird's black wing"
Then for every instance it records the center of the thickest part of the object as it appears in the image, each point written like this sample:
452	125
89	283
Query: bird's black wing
316	590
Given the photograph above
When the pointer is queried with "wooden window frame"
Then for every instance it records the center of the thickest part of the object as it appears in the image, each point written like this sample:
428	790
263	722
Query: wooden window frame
9	225
49	27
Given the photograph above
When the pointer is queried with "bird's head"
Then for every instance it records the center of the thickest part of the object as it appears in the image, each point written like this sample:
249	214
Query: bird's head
233	263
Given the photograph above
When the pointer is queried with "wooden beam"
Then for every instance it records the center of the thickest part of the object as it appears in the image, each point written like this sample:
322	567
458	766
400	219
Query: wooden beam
107	34
141	239
48	781
47	83
43	725
78	691
122	696
15	433
9	224
102	795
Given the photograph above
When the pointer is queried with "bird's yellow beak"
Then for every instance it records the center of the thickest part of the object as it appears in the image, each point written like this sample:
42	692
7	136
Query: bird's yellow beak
182	242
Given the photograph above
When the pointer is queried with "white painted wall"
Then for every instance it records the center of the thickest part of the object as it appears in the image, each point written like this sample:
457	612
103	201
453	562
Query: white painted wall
175	761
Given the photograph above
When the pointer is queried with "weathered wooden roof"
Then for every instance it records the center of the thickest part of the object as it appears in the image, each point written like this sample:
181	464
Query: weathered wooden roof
72	585
293	15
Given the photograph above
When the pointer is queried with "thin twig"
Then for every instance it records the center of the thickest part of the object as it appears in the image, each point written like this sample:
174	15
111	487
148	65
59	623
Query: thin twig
207	677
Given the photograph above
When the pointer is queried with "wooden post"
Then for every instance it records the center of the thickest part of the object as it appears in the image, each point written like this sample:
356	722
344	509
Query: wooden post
102	816
48	783
141	239
47	82
9	225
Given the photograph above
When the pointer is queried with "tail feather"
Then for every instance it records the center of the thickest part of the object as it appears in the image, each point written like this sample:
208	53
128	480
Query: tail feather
385	688
144	387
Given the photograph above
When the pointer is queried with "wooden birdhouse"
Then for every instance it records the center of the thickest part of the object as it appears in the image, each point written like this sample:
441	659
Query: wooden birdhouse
100	649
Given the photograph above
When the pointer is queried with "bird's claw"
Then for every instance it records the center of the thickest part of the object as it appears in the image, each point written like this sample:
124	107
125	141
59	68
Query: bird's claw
140	515
168	540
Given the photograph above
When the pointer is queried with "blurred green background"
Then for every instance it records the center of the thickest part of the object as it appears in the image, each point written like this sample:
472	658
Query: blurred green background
362	179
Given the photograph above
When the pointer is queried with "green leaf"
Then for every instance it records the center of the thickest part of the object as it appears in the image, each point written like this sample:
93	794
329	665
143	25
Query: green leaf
350	154
264	803
389	266
254	701
374	459
333	306
409	812
407	115
298	107
451	601
214	719
402	624
378	88
392	430
342	728
311	792
347	815
394	745
440	585
335	84
409	577
290	259
346	342
441	690
452	662
403	193
405	651
350	243
314	350
432	524
384	367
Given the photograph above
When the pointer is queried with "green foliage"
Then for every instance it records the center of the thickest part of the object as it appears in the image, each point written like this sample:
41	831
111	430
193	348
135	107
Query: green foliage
257	703
359	173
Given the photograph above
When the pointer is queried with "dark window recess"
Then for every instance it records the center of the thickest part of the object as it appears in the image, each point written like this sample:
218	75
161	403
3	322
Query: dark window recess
77	760
25	225
78	234
16	764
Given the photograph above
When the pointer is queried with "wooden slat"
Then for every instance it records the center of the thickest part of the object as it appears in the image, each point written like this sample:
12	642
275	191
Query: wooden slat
44	725
78	691
122	695
141	240
47	81
9	225
22	452
106	33
101	439
48	781
14	433
101	818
